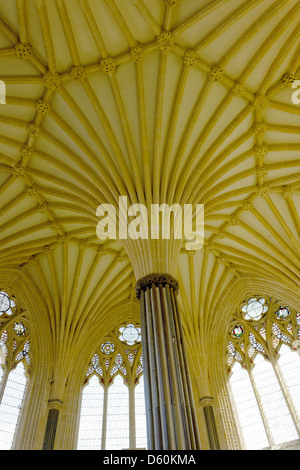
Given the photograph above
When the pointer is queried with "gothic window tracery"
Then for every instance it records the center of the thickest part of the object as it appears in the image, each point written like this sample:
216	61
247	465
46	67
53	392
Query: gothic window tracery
15	361
114	385
263	367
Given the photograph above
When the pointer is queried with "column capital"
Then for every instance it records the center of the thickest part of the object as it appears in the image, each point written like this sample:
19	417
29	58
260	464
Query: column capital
206	401
155	280
55	404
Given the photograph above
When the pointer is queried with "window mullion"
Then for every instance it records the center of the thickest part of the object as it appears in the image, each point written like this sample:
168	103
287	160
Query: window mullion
286	395
132	433
260	407
104	419
3	383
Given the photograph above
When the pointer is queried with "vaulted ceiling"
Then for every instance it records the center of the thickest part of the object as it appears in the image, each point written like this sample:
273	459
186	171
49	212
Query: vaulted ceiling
186	101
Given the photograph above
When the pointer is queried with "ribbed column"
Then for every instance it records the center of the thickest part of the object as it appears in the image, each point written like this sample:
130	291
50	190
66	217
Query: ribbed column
49	440
171	419
207	403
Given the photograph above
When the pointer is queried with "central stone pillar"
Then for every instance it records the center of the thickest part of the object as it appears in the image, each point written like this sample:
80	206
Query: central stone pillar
171	417
54	407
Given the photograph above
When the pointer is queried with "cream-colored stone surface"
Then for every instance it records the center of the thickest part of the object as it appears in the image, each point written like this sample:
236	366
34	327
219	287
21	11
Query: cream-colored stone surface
169	101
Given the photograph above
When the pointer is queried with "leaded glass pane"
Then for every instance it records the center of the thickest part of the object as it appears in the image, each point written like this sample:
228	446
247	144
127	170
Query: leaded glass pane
247	411
4	302
11	405
90	427
254	309
140	415
274	405
117	433
289	363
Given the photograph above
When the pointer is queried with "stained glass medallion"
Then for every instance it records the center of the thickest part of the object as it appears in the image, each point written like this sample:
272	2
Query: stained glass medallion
19	329
108	347
282	313
130	334
237	331
6	304
254	309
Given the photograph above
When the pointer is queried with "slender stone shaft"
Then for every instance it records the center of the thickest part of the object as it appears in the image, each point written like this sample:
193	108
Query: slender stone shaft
171	419
207	404
53	414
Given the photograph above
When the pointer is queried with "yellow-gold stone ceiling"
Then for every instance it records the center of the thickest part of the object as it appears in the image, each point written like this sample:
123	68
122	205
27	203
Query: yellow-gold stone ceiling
161	101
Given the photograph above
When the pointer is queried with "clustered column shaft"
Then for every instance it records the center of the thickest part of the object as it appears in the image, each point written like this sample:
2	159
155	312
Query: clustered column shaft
171	419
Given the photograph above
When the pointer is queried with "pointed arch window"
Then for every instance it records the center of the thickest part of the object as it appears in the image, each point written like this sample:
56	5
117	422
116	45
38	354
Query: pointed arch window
114	390
15	360
264	373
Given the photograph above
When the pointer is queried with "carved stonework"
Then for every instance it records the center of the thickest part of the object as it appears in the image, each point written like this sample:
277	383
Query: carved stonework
62	240
23	50
221	234
42	107
107	65
31	190
155	280
51	80
263	190
33	129
171	3
18	170
260	102
206	401
287	192
221	258
121	257
261	171
46	250
54	226
26	151
215	74
259	128
190	58
238	90
55	404
165	40
234	220
248	206
261	151
137	53
78	73
43	208
101	251
288	79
